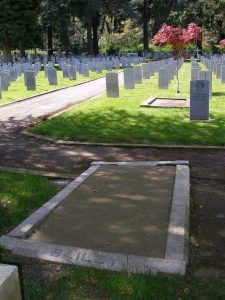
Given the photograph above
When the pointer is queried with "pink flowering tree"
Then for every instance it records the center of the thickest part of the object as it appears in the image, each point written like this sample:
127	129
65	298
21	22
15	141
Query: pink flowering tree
222	45
177	38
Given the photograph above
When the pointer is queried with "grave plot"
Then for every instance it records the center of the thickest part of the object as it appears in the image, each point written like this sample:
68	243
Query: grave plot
119	216
166	103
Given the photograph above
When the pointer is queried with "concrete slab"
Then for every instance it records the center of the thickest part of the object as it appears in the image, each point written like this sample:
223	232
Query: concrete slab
166	103
131	216
117	209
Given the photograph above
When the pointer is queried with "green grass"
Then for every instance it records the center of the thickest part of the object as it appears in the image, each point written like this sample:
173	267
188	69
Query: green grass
20	195
82	284
18	90
122	120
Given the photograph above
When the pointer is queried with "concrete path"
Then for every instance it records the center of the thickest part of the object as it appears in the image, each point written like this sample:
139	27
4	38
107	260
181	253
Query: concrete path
22	114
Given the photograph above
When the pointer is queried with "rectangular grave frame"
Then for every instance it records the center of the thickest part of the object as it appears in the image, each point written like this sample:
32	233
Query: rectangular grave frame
148	103
177	246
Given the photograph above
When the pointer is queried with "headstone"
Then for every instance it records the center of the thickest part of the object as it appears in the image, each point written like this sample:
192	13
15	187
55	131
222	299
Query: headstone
206	75
146	71
129	82
0	88
163	80
4	81
31	82
199	100
222	74
9	283
194	73
99	68
46	71
72	73
52	76
65	70
138	74
218	70
85	70
112	85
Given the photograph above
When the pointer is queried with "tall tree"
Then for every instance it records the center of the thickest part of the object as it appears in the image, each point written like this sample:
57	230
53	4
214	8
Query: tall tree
56	17
18	21
96	13
152	13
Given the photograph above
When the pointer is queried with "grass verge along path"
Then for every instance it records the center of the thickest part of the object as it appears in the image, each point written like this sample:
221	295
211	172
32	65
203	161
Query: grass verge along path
123	121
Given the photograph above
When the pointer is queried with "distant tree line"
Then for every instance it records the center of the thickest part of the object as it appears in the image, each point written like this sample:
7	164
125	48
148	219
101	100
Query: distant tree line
79	25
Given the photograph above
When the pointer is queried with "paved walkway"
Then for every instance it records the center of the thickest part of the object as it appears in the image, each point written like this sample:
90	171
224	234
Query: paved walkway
24	113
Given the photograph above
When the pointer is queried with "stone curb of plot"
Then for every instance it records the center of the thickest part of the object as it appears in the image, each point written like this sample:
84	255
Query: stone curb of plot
176	251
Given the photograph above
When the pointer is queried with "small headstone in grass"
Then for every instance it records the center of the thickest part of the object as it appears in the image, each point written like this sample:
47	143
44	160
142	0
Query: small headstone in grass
109	66
99	68
222	74
199	100
7	72
73	73
146	71
12	74
52	76
85	70
112	85
4	81
129	78
206	75
138	74
117	64
46	71
65	70
218	70
163	80
151	69
31	81
194	73
0	88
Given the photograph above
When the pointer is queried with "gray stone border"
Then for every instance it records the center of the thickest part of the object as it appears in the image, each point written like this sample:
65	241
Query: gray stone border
124	145
176	253
91	258
148	102
178	231
39	172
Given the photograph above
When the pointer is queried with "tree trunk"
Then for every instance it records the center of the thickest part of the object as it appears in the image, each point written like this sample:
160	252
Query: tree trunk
89	39
145	27
7	57
22	50
50	43
95	24
65	39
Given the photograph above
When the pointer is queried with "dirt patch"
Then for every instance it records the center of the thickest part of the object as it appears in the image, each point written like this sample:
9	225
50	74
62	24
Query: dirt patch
117	209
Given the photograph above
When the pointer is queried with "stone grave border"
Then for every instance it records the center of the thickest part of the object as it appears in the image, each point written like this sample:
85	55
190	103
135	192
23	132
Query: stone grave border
177	246
149	102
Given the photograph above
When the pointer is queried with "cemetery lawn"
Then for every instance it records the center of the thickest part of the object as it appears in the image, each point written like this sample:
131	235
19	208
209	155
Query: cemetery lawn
17	89
121	120
93	284
20	195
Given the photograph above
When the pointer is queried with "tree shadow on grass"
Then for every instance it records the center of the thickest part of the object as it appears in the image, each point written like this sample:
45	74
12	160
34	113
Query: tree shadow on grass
154	126
218	94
